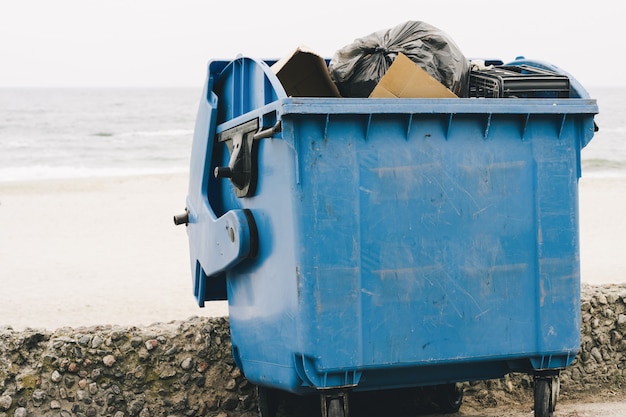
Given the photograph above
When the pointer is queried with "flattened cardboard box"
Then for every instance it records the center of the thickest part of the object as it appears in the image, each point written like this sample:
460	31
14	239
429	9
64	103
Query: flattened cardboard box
406	79
304	73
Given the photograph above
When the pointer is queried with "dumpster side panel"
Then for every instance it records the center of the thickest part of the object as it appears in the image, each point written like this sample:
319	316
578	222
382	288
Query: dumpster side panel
263	292
558	287
448	247
330	240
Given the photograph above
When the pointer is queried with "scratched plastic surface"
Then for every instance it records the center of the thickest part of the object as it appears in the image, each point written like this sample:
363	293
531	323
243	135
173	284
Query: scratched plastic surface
400	242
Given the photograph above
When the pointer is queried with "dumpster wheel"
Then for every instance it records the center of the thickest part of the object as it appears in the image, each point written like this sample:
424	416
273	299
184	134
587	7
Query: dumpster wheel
268	401
335	408
546	392
334	404
448	397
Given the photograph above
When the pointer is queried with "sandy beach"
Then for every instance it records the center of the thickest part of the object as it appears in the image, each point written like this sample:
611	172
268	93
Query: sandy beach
602	204
103	251
95	251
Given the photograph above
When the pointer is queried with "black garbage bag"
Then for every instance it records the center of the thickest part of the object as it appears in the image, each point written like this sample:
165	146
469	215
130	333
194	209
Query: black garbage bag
358	67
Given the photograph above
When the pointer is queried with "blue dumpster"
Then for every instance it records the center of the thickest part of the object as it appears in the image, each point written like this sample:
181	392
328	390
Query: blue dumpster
380	244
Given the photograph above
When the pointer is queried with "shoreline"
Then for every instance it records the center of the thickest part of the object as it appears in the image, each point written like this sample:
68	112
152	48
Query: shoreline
104	250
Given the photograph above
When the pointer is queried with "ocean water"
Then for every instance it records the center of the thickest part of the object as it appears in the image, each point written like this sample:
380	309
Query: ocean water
64	133
75	132
605	155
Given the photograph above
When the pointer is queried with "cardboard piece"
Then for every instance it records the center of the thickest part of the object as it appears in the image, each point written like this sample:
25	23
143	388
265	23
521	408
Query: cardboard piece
304	73
406	79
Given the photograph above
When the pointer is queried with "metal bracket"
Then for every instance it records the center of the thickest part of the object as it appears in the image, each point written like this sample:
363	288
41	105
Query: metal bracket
242	167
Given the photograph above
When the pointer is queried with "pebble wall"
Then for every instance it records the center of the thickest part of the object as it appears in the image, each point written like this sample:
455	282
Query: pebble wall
186	369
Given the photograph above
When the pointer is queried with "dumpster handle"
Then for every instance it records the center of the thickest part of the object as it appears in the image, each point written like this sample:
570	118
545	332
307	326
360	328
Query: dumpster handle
182	218
268	133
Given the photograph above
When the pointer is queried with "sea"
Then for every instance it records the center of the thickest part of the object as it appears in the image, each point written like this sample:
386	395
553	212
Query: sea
52	133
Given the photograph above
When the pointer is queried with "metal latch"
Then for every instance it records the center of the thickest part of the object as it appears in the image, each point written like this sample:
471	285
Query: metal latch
242	166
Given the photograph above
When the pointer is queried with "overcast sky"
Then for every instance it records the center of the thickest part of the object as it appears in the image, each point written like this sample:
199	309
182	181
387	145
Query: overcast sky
80	43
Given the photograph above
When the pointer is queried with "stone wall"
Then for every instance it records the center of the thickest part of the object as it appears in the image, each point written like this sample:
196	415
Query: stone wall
186	369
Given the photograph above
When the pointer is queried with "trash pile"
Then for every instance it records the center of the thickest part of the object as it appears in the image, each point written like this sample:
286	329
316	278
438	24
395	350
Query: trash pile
412	60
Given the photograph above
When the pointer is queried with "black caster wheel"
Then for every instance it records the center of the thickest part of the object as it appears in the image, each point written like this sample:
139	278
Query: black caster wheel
335	408
335	405
268	401
448	398
546	393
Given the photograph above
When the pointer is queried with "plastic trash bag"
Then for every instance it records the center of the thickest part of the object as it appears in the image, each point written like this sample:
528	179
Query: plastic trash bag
358	67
